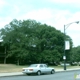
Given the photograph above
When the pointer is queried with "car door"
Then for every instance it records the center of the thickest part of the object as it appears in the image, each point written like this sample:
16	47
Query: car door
47	69
42	68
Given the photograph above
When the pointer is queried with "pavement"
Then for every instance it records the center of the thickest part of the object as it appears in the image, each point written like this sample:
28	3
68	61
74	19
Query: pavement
20	73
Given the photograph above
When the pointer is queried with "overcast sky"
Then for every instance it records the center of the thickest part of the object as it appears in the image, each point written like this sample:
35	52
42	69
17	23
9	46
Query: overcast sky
52	12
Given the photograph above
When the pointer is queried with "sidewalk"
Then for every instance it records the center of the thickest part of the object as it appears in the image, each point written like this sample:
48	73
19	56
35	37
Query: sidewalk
20	73
10	74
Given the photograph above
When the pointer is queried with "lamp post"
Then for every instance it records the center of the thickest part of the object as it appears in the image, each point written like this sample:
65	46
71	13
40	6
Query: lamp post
65	27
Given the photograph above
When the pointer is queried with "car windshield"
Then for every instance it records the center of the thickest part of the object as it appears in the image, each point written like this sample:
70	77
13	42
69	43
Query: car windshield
33	65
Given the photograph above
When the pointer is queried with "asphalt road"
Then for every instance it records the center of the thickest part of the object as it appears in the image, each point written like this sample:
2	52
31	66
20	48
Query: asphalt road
57	76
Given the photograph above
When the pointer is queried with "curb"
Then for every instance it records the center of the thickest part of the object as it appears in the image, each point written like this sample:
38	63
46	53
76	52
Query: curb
67	70
11	74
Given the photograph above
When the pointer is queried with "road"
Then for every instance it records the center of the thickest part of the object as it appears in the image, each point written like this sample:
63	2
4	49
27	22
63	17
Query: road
57	76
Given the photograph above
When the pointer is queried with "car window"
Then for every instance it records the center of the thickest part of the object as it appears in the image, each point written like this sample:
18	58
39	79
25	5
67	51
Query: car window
45	65
41	65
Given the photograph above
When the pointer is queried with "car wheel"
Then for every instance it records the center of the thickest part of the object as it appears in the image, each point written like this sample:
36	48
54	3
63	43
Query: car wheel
38	72
52	72
28	74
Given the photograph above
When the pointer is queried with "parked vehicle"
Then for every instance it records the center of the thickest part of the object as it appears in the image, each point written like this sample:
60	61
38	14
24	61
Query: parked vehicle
38	69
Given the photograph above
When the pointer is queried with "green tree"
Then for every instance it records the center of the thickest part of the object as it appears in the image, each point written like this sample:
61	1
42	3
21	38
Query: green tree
33	42
75	54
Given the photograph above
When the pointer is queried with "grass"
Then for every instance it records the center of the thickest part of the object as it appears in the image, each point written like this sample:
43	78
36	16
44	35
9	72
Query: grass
68	67
10	68
15	68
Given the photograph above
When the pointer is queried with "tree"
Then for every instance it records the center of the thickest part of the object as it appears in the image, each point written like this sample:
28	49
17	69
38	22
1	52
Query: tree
32	42
75	54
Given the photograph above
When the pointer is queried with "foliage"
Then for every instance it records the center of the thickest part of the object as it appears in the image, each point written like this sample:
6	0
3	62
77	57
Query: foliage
75	54
32	42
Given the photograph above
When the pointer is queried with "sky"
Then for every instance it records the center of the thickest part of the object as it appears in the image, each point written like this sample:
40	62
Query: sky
56	13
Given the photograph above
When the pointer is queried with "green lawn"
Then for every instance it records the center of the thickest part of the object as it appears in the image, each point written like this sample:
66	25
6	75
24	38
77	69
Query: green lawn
10	68
68	67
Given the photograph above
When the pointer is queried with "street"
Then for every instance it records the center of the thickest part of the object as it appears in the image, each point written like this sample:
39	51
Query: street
57	76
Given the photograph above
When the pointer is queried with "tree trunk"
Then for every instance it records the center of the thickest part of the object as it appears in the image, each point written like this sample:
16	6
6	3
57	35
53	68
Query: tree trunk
5	60
18	62
5	56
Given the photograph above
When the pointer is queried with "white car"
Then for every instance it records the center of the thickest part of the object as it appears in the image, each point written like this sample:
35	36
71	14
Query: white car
38	69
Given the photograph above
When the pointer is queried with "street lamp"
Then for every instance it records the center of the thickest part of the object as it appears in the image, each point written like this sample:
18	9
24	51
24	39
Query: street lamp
65	27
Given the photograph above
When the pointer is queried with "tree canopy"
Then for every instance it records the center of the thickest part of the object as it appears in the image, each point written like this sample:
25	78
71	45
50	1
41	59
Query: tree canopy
75	54
32	42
